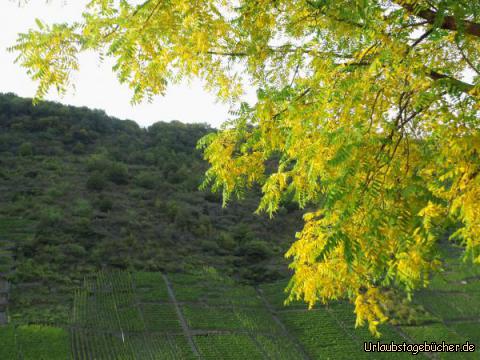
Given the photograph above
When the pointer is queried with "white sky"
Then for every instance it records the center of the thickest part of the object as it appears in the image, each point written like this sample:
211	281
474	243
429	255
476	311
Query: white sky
96	86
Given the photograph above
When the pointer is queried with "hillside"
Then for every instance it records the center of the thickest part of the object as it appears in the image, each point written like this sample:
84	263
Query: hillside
81	191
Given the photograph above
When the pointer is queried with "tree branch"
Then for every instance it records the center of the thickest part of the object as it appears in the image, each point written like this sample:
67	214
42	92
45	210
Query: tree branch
339	19
135	12
449	22
421	38
154	10
466	87
283	49
227	53
467	60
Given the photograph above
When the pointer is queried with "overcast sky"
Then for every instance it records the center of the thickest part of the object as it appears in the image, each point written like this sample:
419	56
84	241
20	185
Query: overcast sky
96	84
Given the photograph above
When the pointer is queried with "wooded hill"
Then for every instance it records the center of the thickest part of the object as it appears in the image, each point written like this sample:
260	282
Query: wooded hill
82	191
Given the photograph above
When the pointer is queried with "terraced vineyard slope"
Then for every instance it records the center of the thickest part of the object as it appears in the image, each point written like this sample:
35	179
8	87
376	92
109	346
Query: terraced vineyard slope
452	304
453	299
153	316
205	316
13	232
150	315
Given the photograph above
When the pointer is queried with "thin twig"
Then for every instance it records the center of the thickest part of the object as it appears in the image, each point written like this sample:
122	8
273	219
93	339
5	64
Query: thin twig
467	60
421	38
139	7
154	10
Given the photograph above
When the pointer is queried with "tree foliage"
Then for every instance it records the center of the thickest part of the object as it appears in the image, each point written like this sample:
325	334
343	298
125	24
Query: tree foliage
367	111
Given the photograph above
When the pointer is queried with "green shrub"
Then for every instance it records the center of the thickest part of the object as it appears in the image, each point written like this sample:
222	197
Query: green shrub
226	241
53	193
52	164
97	162
82	208
32	174
25	149
171	209
209	245
79	149
200	227
117	173
105	204
96	181
4	176
146	179
50	254
158	203
51	215
256	249
213	197
74	250
259	274
139	193
241	232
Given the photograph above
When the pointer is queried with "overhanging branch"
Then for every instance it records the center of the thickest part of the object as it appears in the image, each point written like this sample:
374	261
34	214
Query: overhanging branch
465	87
448	22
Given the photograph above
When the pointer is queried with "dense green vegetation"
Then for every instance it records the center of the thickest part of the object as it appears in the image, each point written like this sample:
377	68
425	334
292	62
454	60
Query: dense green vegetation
34	342
95	192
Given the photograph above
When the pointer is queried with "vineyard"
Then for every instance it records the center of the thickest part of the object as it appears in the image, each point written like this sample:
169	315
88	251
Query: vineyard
150	315
154	316
452	303
12	233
